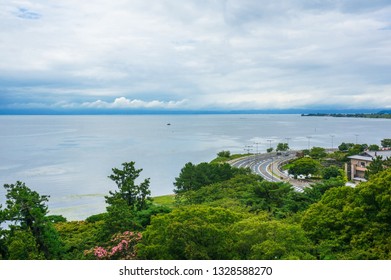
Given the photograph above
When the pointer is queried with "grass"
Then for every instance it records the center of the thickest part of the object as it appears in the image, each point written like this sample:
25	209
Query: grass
287	166
165	200
225	159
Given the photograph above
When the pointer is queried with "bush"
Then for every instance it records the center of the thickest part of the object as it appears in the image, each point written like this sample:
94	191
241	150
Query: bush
331	172
96	218
225	154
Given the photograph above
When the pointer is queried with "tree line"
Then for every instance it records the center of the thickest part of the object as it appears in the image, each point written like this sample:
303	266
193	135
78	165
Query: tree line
379	115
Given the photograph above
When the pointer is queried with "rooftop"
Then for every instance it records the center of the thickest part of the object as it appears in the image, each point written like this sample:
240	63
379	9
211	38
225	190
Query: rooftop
384	154
369	155
367	158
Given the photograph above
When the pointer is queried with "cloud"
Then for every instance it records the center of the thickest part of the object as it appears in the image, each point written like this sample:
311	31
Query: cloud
242	53
25	13
118	103
49	170
125	103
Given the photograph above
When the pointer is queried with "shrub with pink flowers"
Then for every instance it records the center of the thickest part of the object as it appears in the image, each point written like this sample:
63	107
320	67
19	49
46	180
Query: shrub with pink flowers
122	246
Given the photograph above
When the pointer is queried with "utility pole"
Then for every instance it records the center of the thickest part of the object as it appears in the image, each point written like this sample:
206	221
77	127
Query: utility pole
257	143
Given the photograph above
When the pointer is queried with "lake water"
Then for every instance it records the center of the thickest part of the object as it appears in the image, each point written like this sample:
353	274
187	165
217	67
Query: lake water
70	157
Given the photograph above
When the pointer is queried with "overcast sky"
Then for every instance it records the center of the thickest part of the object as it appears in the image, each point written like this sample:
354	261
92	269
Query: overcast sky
215	54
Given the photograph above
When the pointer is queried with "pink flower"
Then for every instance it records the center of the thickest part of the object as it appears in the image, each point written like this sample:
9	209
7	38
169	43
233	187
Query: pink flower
100	252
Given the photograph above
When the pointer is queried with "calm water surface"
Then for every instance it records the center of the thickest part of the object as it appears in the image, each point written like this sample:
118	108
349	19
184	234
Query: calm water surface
70	157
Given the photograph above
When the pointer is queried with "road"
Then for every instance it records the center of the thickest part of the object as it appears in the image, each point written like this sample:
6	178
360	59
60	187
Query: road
268	166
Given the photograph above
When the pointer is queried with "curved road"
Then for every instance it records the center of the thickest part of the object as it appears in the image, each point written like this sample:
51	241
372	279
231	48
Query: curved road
268	166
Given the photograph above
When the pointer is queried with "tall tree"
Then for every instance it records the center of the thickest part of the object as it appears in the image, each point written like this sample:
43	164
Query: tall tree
135	196
26	212
127	202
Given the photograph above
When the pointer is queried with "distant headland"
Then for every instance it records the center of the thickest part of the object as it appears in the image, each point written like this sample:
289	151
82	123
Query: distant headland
386	114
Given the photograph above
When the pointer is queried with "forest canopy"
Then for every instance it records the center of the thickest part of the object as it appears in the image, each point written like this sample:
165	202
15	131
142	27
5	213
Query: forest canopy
219	212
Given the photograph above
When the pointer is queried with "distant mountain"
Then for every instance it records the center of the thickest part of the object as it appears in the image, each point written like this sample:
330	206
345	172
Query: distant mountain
384	112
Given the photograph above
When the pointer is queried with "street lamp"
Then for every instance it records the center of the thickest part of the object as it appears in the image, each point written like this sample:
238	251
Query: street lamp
270	143
248	148
257	143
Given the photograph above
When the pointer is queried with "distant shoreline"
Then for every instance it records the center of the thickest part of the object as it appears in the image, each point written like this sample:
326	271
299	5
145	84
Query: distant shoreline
339	115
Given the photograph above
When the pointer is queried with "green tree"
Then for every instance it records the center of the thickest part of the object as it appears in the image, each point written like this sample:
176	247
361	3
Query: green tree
344	147
22	245
224	154
373	147
120	217
269	150
339	156
193	177
3	247
136	197
375	195
352	223
376	166
191	232
331	172
259	238
318	153
56	219
239	188
304	166
387	162
386	143
357	149
26	211
270	196
282	147
129	208
326	224
79	236
300	201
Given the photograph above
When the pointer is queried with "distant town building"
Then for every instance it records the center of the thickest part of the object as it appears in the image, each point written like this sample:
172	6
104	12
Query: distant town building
355	170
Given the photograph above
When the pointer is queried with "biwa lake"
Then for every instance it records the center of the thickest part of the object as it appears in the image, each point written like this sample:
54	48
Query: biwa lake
70	157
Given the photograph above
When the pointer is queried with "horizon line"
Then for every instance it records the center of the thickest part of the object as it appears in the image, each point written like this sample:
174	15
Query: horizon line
189	111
